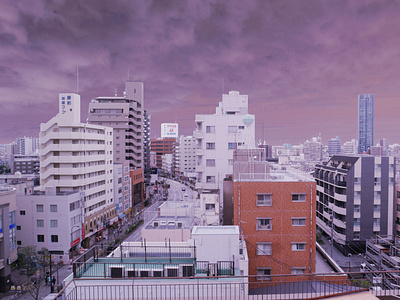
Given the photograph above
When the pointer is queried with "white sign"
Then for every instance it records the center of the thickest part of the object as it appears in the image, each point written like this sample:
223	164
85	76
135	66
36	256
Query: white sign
169	130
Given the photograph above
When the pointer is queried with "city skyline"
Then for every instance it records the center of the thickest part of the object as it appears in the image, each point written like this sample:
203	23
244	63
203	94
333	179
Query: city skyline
302	64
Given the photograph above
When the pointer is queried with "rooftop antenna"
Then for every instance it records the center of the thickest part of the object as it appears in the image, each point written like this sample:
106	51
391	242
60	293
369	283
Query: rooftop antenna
77	79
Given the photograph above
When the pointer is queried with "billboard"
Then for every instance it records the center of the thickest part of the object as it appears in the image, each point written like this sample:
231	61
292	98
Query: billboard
169	130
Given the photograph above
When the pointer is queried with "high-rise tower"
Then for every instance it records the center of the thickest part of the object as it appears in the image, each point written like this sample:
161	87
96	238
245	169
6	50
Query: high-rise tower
365	122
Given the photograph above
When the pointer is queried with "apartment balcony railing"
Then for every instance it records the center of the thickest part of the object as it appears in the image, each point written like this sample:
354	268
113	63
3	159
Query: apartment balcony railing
267	287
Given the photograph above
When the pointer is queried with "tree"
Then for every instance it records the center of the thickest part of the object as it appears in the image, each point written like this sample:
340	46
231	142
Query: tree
34	264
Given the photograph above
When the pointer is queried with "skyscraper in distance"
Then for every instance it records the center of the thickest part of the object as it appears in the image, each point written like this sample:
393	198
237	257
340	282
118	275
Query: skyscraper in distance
365	122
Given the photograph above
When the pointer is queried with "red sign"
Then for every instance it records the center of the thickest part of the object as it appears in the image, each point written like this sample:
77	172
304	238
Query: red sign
83	233
75	242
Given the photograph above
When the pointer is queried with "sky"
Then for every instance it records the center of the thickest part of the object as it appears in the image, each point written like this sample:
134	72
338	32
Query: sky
301	63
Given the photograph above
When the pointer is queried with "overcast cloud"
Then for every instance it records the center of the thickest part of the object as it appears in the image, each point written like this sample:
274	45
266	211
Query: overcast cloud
302	63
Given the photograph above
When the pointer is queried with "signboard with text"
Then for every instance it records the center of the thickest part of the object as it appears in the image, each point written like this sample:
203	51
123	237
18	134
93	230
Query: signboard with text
169	130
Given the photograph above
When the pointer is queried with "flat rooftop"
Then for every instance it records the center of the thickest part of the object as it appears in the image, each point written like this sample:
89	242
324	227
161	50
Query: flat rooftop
215	230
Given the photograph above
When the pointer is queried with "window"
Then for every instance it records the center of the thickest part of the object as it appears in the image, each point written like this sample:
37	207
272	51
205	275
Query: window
210	178
39	207
232	146
210	146
377	222
356	208
299	221
298	271
18	227
210	207
264	224
54	238
264	200
53	208
263	272
22	213
377	208
356	235
40	238
40	223
356	221
230	162
298	197
210	162
53	223
241	127
232	129
298	246
264	249
210	129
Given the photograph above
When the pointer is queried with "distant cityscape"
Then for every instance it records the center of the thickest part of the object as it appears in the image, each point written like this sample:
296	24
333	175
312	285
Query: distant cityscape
268	208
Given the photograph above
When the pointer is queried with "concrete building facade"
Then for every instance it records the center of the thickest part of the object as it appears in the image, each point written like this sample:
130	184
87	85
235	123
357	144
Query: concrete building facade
217	136
357	194
78	157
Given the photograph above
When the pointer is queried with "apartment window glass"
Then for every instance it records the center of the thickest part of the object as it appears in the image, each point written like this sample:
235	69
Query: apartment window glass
54	238
22	212
298	221
39	207
40	223
377	222
298	197
53	208
210	146
232	146
356	221
295	271
377	208
40	238
210	129
264	199
210	162
356	208
232	129
356	235
230	162
210	207
53	223
18	227
210	178
263	273
298	246
264	224
264	249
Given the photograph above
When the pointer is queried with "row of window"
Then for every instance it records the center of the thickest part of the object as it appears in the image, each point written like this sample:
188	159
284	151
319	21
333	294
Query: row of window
53	238
266	248
266	199
231	129
266	223
40	208
264	272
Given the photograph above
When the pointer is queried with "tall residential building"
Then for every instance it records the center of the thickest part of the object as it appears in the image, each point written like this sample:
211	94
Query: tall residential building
8	236
357	194
365	122
79	157
26	145
146	143
312	149
125	115
217	136
274	208
334	146
186	159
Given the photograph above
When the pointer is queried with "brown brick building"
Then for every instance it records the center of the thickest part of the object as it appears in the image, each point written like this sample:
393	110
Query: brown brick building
162	146
276	214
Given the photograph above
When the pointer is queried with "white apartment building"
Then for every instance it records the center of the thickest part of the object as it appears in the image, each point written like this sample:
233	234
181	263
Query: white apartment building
217	136
186	157
167	163
79	157
50	219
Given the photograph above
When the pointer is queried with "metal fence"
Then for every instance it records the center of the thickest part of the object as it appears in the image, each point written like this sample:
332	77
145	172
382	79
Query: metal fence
271	287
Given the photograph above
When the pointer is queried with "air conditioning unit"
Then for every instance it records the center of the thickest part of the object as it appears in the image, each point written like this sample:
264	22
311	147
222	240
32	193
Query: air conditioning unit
171	271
